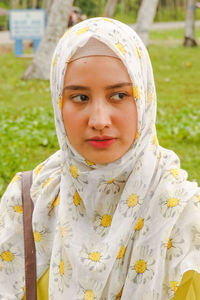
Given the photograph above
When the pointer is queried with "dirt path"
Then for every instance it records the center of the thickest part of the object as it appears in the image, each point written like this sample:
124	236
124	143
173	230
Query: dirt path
169	25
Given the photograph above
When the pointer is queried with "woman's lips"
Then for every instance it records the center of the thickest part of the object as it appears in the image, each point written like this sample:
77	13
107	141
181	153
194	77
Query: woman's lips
101	142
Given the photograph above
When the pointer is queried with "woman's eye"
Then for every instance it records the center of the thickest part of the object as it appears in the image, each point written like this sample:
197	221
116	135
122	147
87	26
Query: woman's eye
80	98
118	96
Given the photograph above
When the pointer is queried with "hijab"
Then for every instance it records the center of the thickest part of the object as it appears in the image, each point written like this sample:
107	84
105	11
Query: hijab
124	230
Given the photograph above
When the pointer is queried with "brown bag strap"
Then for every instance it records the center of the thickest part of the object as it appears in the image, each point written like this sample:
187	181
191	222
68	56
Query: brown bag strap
29	244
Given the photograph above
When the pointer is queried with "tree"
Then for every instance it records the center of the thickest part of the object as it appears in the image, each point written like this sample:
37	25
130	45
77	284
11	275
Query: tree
110	8
56	25
24	4
145	19
189	39
44	4
34	3
49	5
15	4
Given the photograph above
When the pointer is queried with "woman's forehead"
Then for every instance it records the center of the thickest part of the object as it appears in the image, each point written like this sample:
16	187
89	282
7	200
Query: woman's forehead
101	70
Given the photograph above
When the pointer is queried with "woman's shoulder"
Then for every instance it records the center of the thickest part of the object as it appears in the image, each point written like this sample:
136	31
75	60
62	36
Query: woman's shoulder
46	174
13	189
48	167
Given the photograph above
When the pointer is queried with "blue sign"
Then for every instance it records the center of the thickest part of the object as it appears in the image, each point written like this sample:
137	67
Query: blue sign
26	24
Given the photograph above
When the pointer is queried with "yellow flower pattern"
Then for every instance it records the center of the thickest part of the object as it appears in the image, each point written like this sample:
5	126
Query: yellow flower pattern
7	256
155	140
54	61
10	258
89	295
74	171
37	236
60	103
18	209
136	92
102	223
66	33
38	169
121	252
138	53
121	48
90	163
108	20
94	256
136	135
172	202
56	201
132	200
82	30
62	272
142	268
106	220
77	199
139	225
174	172
46	182
15	178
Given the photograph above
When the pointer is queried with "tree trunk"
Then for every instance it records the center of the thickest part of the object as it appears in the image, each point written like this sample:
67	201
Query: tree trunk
34	3
145	19
56	25
189	39
49	5
15	4
24	4
110	8
44	4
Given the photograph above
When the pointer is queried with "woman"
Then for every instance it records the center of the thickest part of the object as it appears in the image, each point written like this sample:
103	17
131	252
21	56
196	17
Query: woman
114	215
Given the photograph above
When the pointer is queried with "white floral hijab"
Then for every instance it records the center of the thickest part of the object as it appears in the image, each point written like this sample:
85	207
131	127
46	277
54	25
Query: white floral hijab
125	230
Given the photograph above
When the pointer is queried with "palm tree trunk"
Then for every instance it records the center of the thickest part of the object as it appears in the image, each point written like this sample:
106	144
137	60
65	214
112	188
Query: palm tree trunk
34	3
56	25
15	4
24	4
110	8
189	39
145	19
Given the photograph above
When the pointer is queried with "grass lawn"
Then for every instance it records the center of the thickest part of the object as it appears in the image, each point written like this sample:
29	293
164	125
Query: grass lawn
26	116
171	35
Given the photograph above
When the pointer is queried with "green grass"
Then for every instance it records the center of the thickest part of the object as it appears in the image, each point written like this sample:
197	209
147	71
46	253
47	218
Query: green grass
26	122
26	116
171	34
176	71
125	18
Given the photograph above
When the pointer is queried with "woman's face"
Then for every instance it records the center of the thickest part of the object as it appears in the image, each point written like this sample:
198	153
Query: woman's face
99	111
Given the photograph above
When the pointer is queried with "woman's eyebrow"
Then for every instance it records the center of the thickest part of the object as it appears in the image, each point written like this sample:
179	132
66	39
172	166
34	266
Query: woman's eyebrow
119	85
75	87
109	87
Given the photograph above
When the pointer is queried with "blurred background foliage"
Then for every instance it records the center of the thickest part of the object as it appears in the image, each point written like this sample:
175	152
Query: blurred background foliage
126	10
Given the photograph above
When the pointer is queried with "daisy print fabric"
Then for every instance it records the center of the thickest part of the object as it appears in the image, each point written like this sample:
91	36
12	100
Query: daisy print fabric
124	230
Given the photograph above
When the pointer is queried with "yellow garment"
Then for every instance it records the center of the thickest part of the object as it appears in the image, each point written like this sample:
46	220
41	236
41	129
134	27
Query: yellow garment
188	289
42	287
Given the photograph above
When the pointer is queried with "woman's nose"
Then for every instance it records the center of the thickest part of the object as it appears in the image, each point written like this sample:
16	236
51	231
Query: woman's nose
99	117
